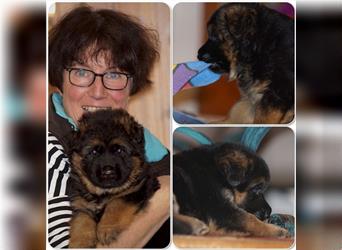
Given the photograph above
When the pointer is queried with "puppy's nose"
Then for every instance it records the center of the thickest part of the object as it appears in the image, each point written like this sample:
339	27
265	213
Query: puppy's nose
108	169
203	56
263	214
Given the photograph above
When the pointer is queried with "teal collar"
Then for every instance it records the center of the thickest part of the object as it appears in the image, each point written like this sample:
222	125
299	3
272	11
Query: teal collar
57	101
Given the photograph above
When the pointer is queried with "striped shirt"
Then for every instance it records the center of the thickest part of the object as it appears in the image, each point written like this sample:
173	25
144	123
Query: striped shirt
59	210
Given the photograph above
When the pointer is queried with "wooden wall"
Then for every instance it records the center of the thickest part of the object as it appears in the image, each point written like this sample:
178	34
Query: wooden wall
151	107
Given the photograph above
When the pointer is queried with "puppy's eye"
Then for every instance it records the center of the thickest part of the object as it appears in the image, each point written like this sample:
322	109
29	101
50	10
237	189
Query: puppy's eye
117	149
257	189
96	150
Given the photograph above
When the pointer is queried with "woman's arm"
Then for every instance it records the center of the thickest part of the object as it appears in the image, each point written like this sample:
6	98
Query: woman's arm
147	223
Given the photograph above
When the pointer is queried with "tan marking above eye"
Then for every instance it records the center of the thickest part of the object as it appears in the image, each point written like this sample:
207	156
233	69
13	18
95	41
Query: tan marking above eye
119	141
94	142
239	158
257	182
91	145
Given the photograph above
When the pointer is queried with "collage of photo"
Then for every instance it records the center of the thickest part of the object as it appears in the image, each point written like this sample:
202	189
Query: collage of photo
171	126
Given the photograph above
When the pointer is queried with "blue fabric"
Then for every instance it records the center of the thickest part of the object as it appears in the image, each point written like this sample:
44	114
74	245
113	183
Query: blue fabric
195	135
198	65
183	118
154	149
192	74
252	137
57	101
204	76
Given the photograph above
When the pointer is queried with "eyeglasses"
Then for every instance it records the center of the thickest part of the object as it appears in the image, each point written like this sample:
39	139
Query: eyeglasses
111	80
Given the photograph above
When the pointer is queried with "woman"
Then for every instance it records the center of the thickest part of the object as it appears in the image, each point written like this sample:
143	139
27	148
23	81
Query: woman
87	50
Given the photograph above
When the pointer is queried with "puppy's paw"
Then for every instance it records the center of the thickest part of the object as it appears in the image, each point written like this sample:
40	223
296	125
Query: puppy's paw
283	233
88	240
199	227
279	232
82	231
106	234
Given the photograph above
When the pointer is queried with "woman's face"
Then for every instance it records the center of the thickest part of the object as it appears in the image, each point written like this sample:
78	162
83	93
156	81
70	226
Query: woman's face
78	100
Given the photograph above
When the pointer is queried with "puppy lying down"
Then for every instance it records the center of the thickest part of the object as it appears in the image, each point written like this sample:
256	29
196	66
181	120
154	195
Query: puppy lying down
218	189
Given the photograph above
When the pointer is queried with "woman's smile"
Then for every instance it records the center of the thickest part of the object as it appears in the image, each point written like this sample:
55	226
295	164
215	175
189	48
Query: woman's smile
94	108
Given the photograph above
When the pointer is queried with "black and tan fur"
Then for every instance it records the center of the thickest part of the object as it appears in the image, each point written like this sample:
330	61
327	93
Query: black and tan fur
218	189
255	46
110	182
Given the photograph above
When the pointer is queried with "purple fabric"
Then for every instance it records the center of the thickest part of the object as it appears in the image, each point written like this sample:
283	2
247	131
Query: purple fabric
181	75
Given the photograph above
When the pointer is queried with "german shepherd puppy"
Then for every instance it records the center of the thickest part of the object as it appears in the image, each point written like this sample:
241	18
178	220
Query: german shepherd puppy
255	46
110	182
218	189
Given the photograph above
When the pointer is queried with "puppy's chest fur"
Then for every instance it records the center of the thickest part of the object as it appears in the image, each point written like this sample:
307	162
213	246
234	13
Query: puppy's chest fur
92	204
95	205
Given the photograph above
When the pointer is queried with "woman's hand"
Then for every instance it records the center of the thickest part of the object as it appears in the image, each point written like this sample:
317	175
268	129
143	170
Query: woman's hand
147	223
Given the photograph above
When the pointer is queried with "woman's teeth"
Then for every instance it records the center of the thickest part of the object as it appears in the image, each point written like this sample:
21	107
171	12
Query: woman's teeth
92	109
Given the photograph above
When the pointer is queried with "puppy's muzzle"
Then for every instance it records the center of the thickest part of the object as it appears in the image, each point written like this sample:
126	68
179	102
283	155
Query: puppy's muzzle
259	207
264	213
203	53
210	53
110	172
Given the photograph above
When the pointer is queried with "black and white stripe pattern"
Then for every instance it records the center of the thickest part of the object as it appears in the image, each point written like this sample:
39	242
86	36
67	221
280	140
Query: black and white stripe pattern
59	209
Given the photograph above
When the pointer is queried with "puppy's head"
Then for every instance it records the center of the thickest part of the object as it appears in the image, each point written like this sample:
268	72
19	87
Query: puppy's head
247	177
108	151
231	34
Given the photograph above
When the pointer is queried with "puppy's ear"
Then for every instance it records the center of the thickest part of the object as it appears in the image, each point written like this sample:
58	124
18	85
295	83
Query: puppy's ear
132	128
234	173
136	132
241	23
86	119
71	142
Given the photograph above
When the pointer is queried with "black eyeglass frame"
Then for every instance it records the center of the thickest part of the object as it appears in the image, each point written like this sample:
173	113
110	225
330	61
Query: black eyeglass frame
128	76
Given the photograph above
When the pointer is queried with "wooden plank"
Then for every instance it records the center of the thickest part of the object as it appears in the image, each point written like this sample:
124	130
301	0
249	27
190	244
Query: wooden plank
185	241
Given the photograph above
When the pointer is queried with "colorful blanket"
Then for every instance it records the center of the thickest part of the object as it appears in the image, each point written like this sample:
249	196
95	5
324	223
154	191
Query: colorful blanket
192	74
187	75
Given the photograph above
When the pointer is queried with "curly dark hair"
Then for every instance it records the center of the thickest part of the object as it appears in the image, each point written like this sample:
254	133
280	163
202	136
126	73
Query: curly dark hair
85	32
